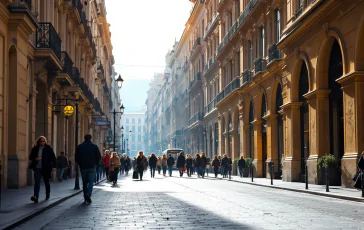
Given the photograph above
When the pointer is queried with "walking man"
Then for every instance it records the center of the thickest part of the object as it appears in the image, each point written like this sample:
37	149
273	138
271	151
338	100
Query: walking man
62	164
88	156
241	165
170	163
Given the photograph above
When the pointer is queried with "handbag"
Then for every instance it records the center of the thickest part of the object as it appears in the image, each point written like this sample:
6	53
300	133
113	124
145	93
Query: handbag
135	175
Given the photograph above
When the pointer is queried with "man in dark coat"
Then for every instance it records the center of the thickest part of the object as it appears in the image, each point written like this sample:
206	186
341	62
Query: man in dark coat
241	165
181	161
88	156
170	163
42	160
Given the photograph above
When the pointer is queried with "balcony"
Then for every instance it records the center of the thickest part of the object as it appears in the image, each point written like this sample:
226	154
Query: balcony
196	118
195	47
234	84
65	75
228	37
195	80
88	34
100	72
274	53
247	76
299	11
48	44
248	9
210	27
76	9
76	75
210	63
259	64
210	106
220	96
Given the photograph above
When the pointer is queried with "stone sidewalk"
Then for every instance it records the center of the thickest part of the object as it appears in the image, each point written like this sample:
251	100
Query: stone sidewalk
16	204
334	191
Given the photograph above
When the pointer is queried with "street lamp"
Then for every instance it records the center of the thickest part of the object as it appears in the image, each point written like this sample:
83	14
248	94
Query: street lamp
130	140
205	139
114	113
77	182
122	139
119	81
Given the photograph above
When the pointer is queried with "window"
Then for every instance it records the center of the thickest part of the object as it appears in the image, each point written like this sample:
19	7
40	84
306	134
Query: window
139	120
262	49
139	138
133	120
250	55
133	129
127	128
139	129
127	121
278	25
133	137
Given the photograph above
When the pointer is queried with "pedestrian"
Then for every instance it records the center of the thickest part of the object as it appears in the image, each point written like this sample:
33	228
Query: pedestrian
225	166
198	164
114	167
241	165
141	162
189	165
181	161
159	165
62	164
87	157
170	163
230	167
164	164
152	164
216	165
122	169
203	164
360	167
134	162
99	169
106	163
127	165
65	172
42	161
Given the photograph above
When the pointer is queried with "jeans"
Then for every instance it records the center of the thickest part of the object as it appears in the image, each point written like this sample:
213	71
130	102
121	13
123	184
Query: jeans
202	171
98	173
107	172
141	171
188	171
152	171
115	175
159	169
170	170
180	171
164	170
241	171
38	174
60	173
198	171
88	177
216	170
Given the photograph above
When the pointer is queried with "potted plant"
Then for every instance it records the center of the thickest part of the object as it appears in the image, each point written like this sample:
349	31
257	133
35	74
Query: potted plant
248	162
333	169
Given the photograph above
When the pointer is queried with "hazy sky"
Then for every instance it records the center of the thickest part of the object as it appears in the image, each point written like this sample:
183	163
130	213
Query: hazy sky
142	32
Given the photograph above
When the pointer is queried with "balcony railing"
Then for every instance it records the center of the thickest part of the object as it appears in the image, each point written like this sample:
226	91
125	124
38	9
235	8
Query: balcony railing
197	43
67	64
78	5
47	38
210	63
247	76
228	37
89	36
234	84
220	96
299	11
210	106
274	53
211	25
197	78
260	64
76	75
28	3
195	118
247	11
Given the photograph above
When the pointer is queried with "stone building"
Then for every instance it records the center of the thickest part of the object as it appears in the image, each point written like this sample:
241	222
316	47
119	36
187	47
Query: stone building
134	132
53	54
282	84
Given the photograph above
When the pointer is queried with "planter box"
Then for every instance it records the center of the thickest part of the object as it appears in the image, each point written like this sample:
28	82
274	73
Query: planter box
334	176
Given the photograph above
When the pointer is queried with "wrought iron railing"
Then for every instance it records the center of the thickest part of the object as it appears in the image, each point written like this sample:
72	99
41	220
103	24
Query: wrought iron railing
195	118
48	38
274	53
220	96
67	64
247	11
234	84
211	25
210	106
197	43
210	63
78	5
260	64
228	37
76	75
247	76
28	3
197	78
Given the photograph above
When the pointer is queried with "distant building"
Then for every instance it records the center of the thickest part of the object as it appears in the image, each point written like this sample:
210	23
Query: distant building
134	132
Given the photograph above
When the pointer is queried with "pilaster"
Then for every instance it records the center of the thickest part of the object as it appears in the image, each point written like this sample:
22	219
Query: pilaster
258	158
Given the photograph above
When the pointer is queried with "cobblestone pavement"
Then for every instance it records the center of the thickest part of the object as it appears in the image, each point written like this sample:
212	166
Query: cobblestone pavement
191	203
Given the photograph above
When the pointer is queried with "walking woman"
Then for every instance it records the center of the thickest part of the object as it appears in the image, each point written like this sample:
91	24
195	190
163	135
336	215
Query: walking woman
164	164
198	164
152	164
181	161
141	162
159	165
114	167
43	160
357	184
106	163
216	165
225	166
189	165
203	165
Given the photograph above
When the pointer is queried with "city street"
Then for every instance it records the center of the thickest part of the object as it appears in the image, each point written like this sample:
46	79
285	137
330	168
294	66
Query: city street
194	203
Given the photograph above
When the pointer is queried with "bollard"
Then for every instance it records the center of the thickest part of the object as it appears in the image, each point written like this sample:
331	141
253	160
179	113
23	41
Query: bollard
306	176
327	178
362	183
252	172
271	174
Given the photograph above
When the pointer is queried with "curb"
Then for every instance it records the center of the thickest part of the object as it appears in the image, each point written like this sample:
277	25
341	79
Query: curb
342	197
40	211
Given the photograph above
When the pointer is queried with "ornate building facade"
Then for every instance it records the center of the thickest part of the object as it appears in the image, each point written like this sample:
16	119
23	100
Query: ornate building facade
53	54
282	83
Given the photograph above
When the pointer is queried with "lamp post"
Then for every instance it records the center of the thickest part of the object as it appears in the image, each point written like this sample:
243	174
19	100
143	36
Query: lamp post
205	140
77	182
114	113
130	140
127	148
122	139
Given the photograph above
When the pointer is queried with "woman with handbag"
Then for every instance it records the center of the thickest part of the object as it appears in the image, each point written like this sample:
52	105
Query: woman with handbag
42	161
357	180
181	161
114	167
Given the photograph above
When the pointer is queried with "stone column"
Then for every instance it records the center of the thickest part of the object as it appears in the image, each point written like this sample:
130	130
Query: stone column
353	90
319	137
235	140
246	140
258	161
272	142
221	138
291	163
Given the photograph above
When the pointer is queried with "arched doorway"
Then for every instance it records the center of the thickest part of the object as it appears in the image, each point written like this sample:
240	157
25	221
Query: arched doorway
264	136
336	102
304	116
251	130
279	103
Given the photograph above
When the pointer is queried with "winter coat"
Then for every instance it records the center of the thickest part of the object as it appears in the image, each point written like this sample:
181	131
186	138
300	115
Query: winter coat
189	162
114	163
87	155
216	163
141	162
153	162
164	162
241	163
170	161
225	162
48	158
198	161
181	160
62	162
203	162
106	161
159	162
